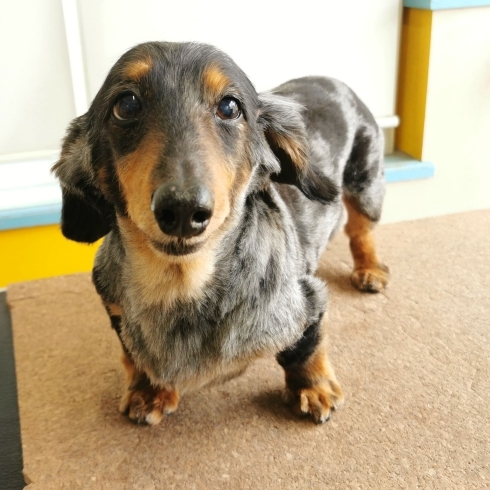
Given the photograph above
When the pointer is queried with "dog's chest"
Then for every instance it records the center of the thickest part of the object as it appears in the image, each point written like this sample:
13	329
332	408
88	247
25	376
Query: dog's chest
236	320
206	340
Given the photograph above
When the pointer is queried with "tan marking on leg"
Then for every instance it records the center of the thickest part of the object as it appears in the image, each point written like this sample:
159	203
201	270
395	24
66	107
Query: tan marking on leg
143	402
138	69
369	274
312	389
130	369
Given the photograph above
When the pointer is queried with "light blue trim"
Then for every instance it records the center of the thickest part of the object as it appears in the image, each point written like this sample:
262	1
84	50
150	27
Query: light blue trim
444	4
29	217
400	167
29	193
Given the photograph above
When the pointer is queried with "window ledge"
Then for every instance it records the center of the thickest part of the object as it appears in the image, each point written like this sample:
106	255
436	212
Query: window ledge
29	193
400	167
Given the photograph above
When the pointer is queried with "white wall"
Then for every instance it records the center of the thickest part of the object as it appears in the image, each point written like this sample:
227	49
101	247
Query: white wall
35	86
355	40
273	41
457	126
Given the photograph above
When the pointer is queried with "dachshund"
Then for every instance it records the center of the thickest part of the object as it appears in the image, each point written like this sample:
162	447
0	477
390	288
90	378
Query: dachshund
216	203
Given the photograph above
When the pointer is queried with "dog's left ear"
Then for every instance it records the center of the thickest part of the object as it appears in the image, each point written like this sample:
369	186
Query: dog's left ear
284	129
86	214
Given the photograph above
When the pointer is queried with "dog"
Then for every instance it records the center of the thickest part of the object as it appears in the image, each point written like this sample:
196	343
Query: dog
216	203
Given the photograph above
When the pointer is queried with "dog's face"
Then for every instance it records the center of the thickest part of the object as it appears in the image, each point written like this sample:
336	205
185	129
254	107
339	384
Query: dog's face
173	141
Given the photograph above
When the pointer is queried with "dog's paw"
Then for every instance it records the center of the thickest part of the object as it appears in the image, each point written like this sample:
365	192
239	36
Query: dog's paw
318	401
147	406
372	279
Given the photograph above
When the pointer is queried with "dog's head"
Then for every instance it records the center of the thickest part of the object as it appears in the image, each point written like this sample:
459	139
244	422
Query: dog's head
173	141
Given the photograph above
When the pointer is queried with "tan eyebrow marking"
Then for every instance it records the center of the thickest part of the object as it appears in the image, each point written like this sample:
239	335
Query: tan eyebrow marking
138	69
215	81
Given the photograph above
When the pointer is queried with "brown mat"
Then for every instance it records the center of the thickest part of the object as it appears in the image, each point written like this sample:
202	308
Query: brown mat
414	363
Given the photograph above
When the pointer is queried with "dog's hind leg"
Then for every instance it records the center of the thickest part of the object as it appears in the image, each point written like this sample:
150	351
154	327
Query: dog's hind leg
369	274
363	186
311	386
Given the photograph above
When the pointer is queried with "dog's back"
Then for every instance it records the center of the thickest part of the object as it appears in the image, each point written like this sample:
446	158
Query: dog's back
346	145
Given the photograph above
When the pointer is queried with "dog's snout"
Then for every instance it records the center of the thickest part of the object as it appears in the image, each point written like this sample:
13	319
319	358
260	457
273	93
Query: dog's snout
182	211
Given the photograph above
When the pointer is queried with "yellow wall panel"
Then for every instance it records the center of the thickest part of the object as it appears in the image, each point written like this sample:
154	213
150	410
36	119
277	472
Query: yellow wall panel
412	80
42	251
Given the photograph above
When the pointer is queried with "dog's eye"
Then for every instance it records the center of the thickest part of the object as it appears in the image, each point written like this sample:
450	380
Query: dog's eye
127	107
229	108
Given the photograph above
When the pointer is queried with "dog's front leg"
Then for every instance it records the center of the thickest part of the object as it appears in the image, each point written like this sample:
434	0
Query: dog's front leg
143	402
311	386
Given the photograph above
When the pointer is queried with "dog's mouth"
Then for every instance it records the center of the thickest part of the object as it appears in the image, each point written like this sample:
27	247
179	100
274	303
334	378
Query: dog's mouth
177	248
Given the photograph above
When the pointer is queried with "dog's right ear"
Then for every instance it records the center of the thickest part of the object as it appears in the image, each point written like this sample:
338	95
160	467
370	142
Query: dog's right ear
285	132
86	214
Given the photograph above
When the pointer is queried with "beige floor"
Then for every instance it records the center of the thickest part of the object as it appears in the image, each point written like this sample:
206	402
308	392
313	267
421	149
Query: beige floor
414	363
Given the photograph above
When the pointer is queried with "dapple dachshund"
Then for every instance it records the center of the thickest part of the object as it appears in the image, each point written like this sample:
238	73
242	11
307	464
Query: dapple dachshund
216	203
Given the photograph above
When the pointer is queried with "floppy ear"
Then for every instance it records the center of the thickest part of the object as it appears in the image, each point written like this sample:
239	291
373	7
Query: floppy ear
86	215
285	132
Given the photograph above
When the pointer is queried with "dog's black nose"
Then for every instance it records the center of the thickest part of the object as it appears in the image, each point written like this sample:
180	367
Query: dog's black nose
181	211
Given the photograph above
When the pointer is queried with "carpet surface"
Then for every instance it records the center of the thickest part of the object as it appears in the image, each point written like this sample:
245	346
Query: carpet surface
414	363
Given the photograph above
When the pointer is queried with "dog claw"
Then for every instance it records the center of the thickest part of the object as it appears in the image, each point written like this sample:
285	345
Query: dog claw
148	407
318	402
